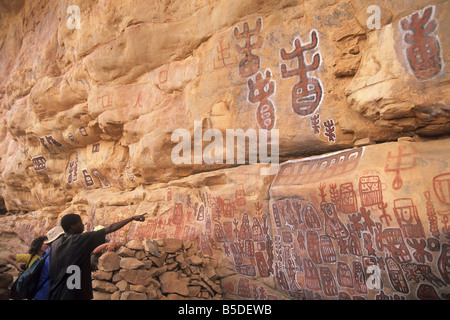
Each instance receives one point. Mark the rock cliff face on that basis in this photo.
(184, 109)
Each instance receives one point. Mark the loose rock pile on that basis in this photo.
(5, 280)
(166, 269)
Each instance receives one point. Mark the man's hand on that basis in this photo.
(117, 225)
(139, 217)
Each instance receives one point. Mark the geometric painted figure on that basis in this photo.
(333, 226)
(307, 93)
(423, 53)
(396, 276)
(250, 64)
(311, 217)
(408, 218)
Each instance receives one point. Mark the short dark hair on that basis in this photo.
(69, 220)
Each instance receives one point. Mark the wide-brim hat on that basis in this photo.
(53, 234)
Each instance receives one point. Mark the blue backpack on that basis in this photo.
(27, 284)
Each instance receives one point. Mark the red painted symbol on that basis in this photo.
(83, 131)
(334, 228)
(138, 103)
(95, 147)
(223, 58)
(39, 163)
(312, 243)
(348, 199)
(104, 182)
(359, 278)
(52, 141)
(396, 244)
(370, 190)
(441, 186)
(330, 130)
(265, 112)
(105, 100)
(307, 93)
(396, 276)
(329, 287)
(444, 263)
(311, 217)
(87, 178)
(72, 138)
(312, 280)
(315, 124)
(250, 64)
(423, 54)
(408, 218)
(402, 161)
(240, 196)
(344, 275)
(163, 76)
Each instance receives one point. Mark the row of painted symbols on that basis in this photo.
(307, 94)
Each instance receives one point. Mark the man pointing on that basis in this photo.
(70, 256)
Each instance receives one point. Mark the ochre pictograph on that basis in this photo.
(307, 93)
(423, 53)
(250, 63)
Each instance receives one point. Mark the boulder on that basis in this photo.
(138, 277)
(109, 261)
(130, 263)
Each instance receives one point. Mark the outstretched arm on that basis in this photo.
(12, 260)
(117, 225)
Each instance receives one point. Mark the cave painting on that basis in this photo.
(323, 241)
(314, 169)
(250, 64)
(39, 163)
(221, 221)
(265, 112)
(348, 236)
(223, 57)
(441, 187)
(423, 46)
(403, 160)
(50, 142)
(105, 101)
(307, 93)
(261, 86)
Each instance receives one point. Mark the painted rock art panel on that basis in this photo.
(101, 165)
(232, 218)
(365, 223)
(217, 212)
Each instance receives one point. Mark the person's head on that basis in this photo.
(38, 246)
(72, 223)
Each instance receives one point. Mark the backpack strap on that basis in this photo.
(43, 282)
(27, 265)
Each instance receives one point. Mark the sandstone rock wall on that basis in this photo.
(93, 117)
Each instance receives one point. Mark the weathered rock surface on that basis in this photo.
(92, 118)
